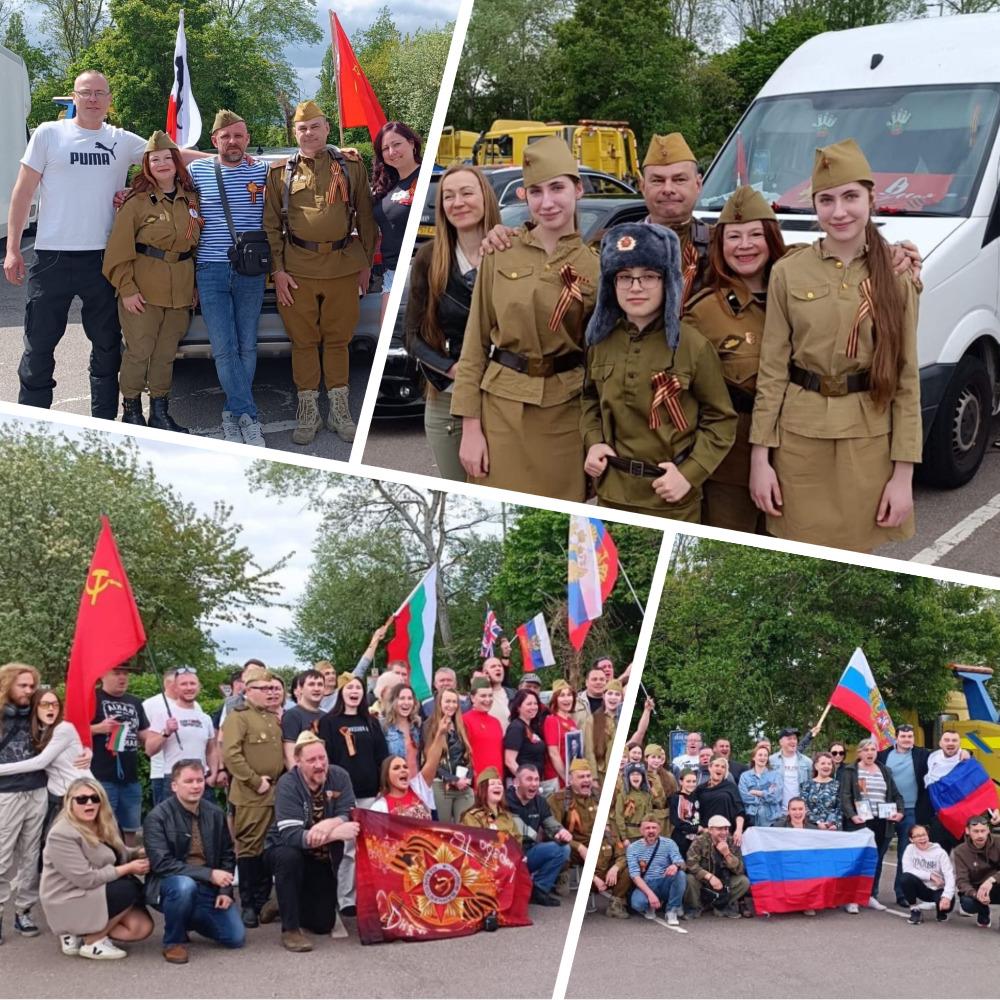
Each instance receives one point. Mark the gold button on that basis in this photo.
(513, 274)
(809, 295)
(548, 268)
(844, 285)
(839, 263)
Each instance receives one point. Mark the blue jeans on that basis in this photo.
(545, 862)
(669, 889)
(126, 803)
(230, 304)
(903, 828)
(158, 786)
(188, 905)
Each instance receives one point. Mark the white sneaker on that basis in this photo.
(230, 428)
(103, 949)
(250, 431)
(672, 920)
(649, 914)
(852, 908)
(874, 904)
(70, 944)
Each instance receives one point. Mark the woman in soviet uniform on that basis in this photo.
(656, 417)
(729, 314)
(519, 376)
(150, 261)
(838, 391)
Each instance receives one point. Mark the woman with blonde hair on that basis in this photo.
(402, 725)
(90, 892)
(442, 276)
(453, 781)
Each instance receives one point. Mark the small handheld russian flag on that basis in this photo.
(536, 648)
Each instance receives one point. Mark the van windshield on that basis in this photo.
(927, 146)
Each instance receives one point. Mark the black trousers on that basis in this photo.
(54, 280)
(914, 888)
(972, 905)
(306, 887)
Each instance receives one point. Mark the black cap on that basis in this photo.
(788, 731)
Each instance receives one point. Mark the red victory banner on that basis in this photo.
(419, 880)
(108, 631)
(357, 103)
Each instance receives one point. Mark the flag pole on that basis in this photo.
(336, 73)
(639, 605)
(163, 693)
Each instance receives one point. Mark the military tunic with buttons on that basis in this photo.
(617, 397)
(483, 819)
(832, 454)
(150, 218)
(576, 813)
(326, 306)
(251, 750)
(530, 421)
(732, 321)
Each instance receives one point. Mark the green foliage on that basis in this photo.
(188, 570)
(747, 640)
(37, 60)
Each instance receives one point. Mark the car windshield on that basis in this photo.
(927, 146)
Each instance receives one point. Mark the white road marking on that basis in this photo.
(959, 532)
(663, 923)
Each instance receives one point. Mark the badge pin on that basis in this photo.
(750, 337)
(731, 343)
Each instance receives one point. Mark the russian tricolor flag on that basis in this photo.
(591, 574)
(536, 648)
(858, 696)
(795, 870)
(965, 791)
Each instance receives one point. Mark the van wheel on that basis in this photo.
(958, 439)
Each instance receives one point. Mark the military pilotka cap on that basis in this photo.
(488, 774)
(655, 749)
(549, 157)
(306, 737)
(255, 675)
(615, 686)
(478, 683)
(667, 149)
(306, 111)
(746, 205)
(840, 163)
(224, 118)
(159, 141)
(579, 764)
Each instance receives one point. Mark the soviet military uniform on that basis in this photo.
(631, 804)
(151, 250)
(482, 819)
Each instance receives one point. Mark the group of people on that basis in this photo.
(677, 826)
(287, 773)
(706, 373)
(196, 229)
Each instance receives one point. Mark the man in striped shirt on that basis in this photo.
(231, 302)
(656, 868)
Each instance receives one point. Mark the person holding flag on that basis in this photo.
(491, 632)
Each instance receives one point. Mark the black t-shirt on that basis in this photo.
(530, 748)
(296, 720)
(124, 765)
(368, 742)
(391, 213)
(595, 703)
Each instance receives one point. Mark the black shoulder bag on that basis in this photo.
(250, 253)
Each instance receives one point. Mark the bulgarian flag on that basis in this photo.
(413, 640)
(117, 737)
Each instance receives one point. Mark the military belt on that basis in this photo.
(170, 256)
(741, 399)
(636, 468)
(543, 367)
(319, 247)
(829, 385)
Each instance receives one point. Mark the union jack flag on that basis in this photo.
(491, 632)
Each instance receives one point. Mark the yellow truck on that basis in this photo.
(608, 146)
(456, 146)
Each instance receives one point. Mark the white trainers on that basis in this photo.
(231, 428)
(649, 914)
(70, 944)
(852, 908)
(250, 431)
(103, 950)
(672, 920)
(339, 419)
(874, 904)
(309, 420)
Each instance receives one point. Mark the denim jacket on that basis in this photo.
(762, 810)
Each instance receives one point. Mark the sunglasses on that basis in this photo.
(838, 753)
(185, 670)
(83, 800)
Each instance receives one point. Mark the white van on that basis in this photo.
(922, 99)
(14, 110)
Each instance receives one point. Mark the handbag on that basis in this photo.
(250, 253)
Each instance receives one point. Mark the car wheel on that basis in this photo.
(960, 434)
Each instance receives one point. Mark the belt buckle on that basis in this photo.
(833, 385)
(493, 350)
(635, 467)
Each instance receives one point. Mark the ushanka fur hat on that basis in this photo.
(638, 244)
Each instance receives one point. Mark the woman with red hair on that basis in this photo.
(150, 261)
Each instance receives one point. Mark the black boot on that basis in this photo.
(160, 417)
(104, 396)
(248, 869)
(132, 412)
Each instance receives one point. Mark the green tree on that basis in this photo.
(748, 640)
(37, 60)
(188, 570)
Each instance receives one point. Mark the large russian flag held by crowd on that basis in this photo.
(183, 116)
(536, 647)
(590, 576)
(413, 640)
(795, 870)
(857, 695)
(965, 791)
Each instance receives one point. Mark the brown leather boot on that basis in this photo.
(296, 941)
(176, 954)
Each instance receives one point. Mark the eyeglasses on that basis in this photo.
(48, 704)
(643, 280)
(88, 94)
(838, 753)
(83, 800)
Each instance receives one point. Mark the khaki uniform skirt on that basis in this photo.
(831, 490)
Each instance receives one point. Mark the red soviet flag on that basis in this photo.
(419, 880)
(108, 631)
(358, 103)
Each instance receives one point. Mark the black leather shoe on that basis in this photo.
(542, 898)
(249, 917)
(159, 416)
(132, 412)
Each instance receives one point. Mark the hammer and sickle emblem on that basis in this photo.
(99, 581)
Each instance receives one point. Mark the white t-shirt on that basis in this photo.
(81, 170)
(195, 730)
(685, 761)
(790, 778)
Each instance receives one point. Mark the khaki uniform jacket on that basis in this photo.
(617, 395)
(149, 217)
(251, 749)
(577, 815)
(812, 302)
(635, 803)
(482, 820)
(516, 292)
(311, 217)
